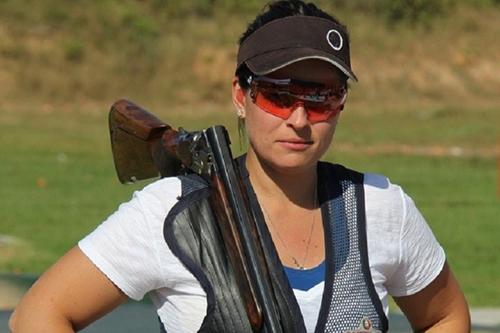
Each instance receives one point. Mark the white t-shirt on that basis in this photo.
(129, 249)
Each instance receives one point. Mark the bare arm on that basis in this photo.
(70, 295)
(439, 307)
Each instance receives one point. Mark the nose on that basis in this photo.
(298, 118)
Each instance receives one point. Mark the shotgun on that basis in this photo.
(145, 147)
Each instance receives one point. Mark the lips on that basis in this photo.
(295, 144)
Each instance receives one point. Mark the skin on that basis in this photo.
(74, 293)
(439, 307)
(69, 296)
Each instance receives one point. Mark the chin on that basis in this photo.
(292, 164)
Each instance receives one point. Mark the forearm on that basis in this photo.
(459, 322)
(38, 320)
(439, 307)
(69, 296)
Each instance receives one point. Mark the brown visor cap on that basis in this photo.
(290, 39)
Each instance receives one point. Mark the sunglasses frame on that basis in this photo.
(298, 93)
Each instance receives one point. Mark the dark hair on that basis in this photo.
(273, 11)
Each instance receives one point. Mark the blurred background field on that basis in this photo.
(426, 111)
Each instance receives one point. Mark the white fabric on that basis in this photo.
(129, 249)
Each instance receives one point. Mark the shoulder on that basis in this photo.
(128, 247)
(159, 197)
(139, 217)
(385, 212)
(403, 251)
(376, 186)
(387, 209)
(160, 190)
(385, 219)
(383, 197)
(385, 202)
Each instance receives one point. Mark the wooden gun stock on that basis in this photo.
(143, 146)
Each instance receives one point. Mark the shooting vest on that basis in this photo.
(350, 302)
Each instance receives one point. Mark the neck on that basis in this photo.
(296, 187)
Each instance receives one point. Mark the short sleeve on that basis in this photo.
(421, 258)
(125, 247)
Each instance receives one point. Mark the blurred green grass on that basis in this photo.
(458, 198)
(59, 183)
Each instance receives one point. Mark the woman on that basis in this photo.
(346, 240)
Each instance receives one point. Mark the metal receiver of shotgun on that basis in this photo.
(145, 147)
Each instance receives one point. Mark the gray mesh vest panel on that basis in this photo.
(349, 296)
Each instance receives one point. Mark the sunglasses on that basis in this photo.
(280, 97)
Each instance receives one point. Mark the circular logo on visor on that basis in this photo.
(334, 38)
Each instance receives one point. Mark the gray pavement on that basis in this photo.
(136, 317)
(141, 317)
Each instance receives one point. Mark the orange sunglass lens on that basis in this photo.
(273, 106)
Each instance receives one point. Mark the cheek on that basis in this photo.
(251, 120)
(253, 126)
(259, 124)
(325, 133)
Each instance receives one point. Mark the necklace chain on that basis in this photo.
(304, 259)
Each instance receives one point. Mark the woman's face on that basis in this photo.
(294, 144)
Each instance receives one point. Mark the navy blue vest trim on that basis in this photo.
(194, 268)
(365, 265)
(191, 183)
(162, 327)
(327, 190)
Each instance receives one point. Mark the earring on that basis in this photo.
(240, 112)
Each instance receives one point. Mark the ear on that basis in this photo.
(239, 98)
